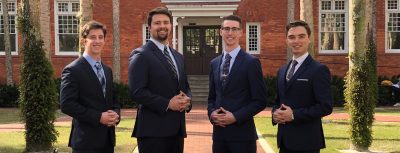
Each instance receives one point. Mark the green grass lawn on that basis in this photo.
(13, 115)
(13, 142)
(386, 135)
(378, 111)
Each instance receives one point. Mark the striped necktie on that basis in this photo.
(170, 63)
(100, 76)
(291, 70)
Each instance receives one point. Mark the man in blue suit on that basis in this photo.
(88, 96)
(303, 96)
(237, 93)
(158, 83)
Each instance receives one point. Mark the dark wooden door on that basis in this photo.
(200, 45)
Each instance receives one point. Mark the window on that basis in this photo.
(66, 27)
(146, 33)
(12, 11)
(253, 37)
(333, 26)
(392, 26)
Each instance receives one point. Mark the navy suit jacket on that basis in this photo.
(152, 85)
(309, 95)
(244, 95)
(81, 97)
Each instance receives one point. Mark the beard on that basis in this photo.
(162, 37)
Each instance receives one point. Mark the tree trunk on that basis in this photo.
(306, 14)
(7, 43)
(290, 18)
(44, 8)
(361, 82)
(116, 42)
(85, 15)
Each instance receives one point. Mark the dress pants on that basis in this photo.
(234, 146)
(161, 145)
(283, 149)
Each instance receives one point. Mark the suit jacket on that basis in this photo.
(244, 95)
(82, 98)
(309, 95)
(152, 84)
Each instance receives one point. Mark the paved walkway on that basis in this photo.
(199, 128)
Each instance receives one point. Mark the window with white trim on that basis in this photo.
(146, 33)
(12, 11)
(392, 26)
(333, 27)
(253, 31)
(66, 27)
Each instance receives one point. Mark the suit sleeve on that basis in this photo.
(137, 82)
(69, 96)
(258, 93)
(211, 93)
(322, 95)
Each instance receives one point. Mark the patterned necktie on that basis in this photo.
(225, 69)
(291, 70)
(101, 78)
(170, 63)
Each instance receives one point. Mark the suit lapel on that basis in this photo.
(160, 56)
(299, 71)
(236, 65)
(92, 74)
(217, 72)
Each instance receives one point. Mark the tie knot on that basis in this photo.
(294, 62)
(97, 65)
(228, 57)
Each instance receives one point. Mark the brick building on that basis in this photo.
(195, 33)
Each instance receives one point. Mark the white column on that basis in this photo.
(174, 24)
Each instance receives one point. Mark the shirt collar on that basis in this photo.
(159, 44)
(233, 53)
(300, 59)
(88, 58)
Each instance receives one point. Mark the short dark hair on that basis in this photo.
(158, 10)
(91, 25)
(298, 23)
(233, 18)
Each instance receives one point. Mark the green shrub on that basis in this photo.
(122, 94)
(270, 82)
(337, 86)
(9, 96)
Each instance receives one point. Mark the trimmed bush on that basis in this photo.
(122, 94)
(9, 96)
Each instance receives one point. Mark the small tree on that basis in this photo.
(38, 94)
(361, 91)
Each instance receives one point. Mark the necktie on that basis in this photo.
(225, 69)
(101, 77)
(291, 70)
(170, 63)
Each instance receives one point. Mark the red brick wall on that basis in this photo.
(270, 14)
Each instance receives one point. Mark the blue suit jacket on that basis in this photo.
(244, 95)
(308, 93)
(152, 85)
(81, 97)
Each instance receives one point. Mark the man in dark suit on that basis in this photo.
(237, 93)
(158, 83)
(87, 96)
(303, 96)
